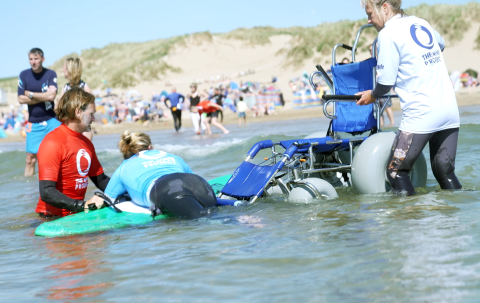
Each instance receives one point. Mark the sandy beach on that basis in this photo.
(287, 113)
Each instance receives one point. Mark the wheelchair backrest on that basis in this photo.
(349, 79)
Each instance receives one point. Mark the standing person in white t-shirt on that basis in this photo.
(410, 60)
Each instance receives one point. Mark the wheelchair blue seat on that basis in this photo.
(350, 79)
(249, 180)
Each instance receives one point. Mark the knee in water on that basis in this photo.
(449, 181)
(402, 183)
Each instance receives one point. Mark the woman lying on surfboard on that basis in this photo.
(158, 180)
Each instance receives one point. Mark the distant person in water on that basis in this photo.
(195, 97)
(211, 110)
(242, 111)
(66, 159)
(217, 98)
(175, 101)
(72, 70)
(37, 87)
(158, 180)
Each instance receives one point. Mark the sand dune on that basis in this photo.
(229, 57)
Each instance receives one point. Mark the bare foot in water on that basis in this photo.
(226, 132)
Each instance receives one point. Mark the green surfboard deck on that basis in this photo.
(106, 218)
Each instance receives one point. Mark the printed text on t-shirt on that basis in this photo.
(432, 57)
(81, 183)
(161, 161)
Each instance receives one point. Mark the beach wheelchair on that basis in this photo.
(353, 152)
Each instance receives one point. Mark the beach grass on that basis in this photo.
(122, 65)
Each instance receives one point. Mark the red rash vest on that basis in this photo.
(204, 108)
(68, 158)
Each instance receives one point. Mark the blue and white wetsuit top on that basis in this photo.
(137, 174)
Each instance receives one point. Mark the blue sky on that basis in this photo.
(63, 27)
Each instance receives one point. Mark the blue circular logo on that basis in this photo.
(413, 31)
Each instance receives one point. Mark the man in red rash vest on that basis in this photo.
(211, 109)
(66, 159)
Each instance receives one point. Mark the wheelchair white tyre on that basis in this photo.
(277, 190)
(312, 188)
(369, 167)
(317, 135)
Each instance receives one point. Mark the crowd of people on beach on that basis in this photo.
(132, 107)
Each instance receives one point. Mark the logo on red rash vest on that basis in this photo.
(83, 166)
(83, 160)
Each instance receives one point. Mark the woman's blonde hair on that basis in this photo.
(133, 143)
(396, 5)
(74, 98)
(74, 68)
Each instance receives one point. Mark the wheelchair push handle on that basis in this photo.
(259, 146)
(325, 76)
(351, 98)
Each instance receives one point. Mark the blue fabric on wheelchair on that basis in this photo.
(249, 179)
(350, 79)
(322, 146)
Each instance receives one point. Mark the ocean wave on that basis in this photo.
(195, 150)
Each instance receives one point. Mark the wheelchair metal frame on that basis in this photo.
(303, 164)
(378, 110)
(294, 165)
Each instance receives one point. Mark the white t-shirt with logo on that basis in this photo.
(410, 58)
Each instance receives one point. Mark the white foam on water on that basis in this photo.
(109, 151)
(199, 150)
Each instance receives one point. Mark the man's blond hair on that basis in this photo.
(74, 98)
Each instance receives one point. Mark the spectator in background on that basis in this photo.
(37, 87)
(195, 97)
(72, 70)
(211, 109)
(242, 111)
(176, 103)
(470, 83)
(217, 98)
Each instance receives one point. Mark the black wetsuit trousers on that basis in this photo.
(220, 115)
(407, 147)
(184, 195)
(177, 119)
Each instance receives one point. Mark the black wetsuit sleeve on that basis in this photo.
(380, 90)
(100, 181)
(50, 194)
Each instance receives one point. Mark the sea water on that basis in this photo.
(357, 248)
